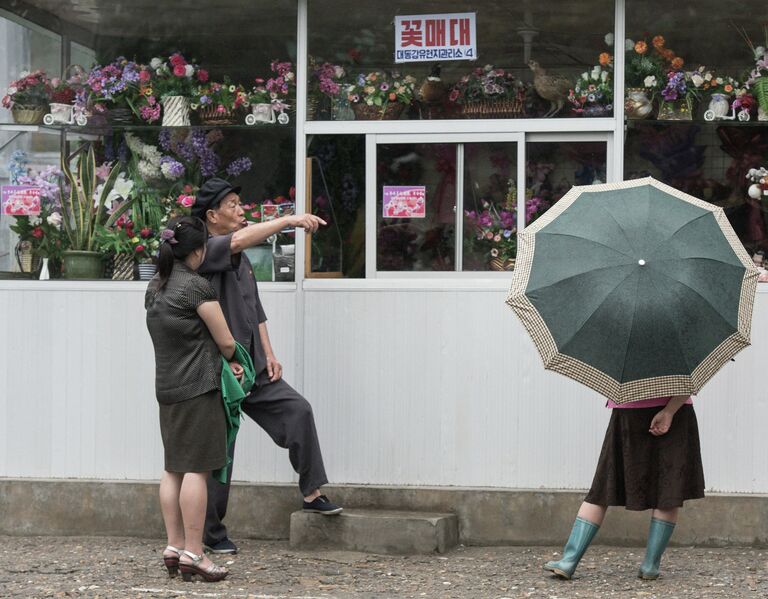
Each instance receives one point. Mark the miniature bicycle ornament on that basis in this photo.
(738, 104)
(65, 114)
(265, 113)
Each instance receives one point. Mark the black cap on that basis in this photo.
(209, 196)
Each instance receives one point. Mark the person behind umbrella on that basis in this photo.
(650, 460)
(272, 403)
(189, 334)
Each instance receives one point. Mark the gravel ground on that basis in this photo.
(110, 567)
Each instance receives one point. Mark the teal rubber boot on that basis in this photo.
(658, 537)
(581, 536)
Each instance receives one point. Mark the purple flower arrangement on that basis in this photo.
(676, 87)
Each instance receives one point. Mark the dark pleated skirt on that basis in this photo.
(640, 471)
(194, 433)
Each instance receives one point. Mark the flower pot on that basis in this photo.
(147, 270)
(637, 104)
(122, 267)
(389, 112)
(119, 116)
(494, 109)
(597, 110)
(83, 265)
(502, 265)
(28, 115)
(260, 113)
(26, 259)
(676, 110)
(761, 92)
(210, 115)
(175, 111)
(61, 113)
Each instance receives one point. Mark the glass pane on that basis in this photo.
(490, 206)
(416, 207)
(337, 191)
(552, 168)
(569, 42)
(23, 48)
(716, 136)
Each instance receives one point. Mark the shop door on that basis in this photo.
(433, 197)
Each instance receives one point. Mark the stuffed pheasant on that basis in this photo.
(553, 88)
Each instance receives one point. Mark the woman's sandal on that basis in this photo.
(212, 574)
(172, 561)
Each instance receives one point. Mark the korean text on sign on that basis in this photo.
(435, 37)
(20, 200)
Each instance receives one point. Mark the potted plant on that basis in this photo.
(218, 103)
(114, 90)
(84, 208)
(489, 92)
(376, 96)
(28, 97)
(174, 81)
(116, 244)
(327, 80)
(593, 93)
(643, 76)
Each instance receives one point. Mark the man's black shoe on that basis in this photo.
(322, 505)
(222, 547)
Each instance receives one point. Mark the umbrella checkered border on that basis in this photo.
(592, 377)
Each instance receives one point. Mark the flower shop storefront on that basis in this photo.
(427, 134)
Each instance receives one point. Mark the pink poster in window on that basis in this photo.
(20, 200)
(405, 201)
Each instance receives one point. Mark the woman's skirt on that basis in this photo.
(194, 433)
(641, 471)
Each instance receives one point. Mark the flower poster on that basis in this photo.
(405, 201)
(20, 200)
(421, 38)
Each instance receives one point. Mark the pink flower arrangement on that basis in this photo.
(185, 200)
(177, 76)
(30, 89)
(328, 77)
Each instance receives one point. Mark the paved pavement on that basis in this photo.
(110, 567)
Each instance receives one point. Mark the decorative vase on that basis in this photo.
(28, 114)
(25, 257)
(147, 270)
(122, 267)
(676, 110)
(719, 105)
(175, 111)
(502, 265)
(391, 111)
(637, 104)
(119, 116)
(341, 110)
(597, 110)
(83, 265)
(44, 273)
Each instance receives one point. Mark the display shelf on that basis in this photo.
(99, 129)
(631, 123)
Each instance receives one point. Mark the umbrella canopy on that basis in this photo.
(634, 289)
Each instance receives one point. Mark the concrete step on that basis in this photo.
(376, 531)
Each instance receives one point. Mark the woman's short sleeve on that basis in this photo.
(199, 291)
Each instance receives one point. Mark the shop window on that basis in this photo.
(336, 193)
(702, 100)
(526, 59)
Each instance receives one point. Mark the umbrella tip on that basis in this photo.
(641, 262)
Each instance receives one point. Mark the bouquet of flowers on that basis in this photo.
(594, 89)
(175, 76)
(328, 79)
(377, 89)
(115, 85)
(219, 98)
(758, 76)
(486, 83)
(493, 230)
(29, 90)
(44, 231)
(62, 92)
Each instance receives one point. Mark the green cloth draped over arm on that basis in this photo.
(232, 394)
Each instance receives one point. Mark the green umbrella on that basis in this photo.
(634, 289)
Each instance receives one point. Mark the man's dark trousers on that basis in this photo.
(286, 417)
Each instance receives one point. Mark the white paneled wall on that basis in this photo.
(420, 385)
